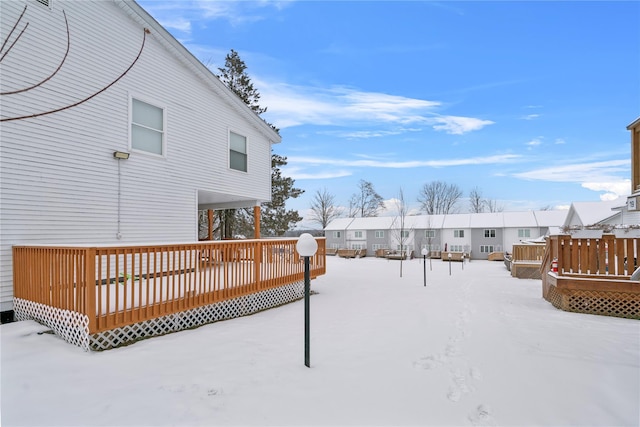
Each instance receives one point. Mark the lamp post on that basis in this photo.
(449, 263)
(306, 247)
(424, 263)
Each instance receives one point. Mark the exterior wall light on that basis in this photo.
(120, 155)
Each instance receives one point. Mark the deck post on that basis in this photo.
(210, 224)
(257, 259)
(90, 290)
(256, 221)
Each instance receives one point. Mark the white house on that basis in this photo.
(112, 132)
(475, 233)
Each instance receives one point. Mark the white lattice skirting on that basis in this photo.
(73, 327)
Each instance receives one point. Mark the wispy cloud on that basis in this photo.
(181, 14)
(297, 172)
(597, 176)
(455, 125)
(294, 105)
(371, 163)
(533, 143)
(530, 116)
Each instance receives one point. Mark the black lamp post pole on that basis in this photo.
(307, 285)
(424, 263)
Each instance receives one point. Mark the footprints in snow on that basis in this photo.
(462, 375)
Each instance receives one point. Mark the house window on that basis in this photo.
(486, 249)
(404, 234)
(458, 233)
(379, 234)
(429, 234)
(455, 248)
(336, 234)
(375, 247)
(357, 234)
(489, 233)
(524, 232)
(147, 127)
(237, 152)
(357, 246)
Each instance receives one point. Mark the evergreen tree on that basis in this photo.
(275, 218)
(234, 76)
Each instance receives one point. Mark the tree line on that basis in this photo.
(435, 197)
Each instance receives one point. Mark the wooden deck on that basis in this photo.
(526, 260)
(119, 287)
(455, 256)
(593, 275)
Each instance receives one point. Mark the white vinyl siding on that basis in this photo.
(147, 127)
(58, 177)
(237, 152)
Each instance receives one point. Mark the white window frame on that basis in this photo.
(337, 234)
(429, 234)
(455, 248)
(524, 232)
(357, 234)
(489, 233)
(163, 131)
(459, 234)
(379, 234)
(404, 234)
(246, 153)
(486, 249)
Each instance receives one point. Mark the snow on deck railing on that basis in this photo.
(116, 286)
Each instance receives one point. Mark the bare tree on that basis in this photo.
(402, 233)
(476, 203)
(438, 197)
(493, 206)
(366, 202)
(323, 208)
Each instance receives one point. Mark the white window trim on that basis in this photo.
(490, 230)
(246, 140)
(156, 104)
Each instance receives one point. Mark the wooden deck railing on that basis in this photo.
(608, 256)
(531, 253)
(593, 275)
(118, 286)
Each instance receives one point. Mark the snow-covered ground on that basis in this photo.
(474, 348)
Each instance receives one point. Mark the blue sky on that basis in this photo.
(528, 101)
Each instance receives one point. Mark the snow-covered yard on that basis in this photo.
(474, 348)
